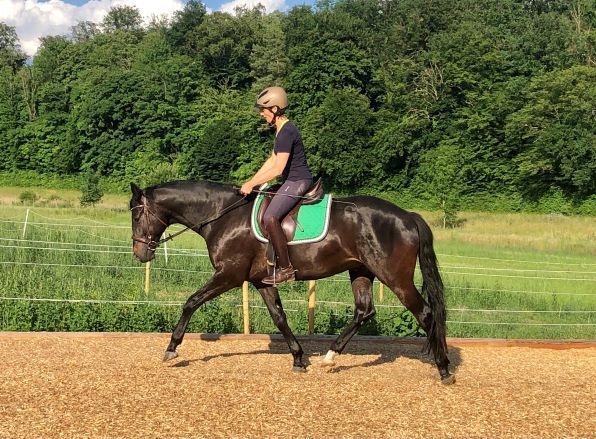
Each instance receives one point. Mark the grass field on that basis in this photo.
(506, 275)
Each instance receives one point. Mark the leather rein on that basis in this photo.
(152, 244)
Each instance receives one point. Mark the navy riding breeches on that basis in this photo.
(285, 199)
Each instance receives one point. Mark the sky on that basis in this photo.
(37, 18)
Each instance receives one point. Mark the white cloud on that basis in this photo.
(33, 18)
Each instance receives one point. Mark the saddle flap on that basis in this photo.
(288, 223)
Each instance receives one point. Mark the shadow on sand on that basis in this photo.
(387, 349)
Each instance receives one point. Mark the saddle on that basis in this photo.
(290, 221)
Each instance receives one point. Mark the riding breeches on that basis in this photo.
(285, 199)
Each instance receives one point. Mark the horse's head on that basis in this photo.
(148, 224)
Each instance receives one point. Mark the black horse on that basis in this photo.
(368, 237)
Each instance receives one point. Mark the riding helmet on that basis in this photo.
(272, 97)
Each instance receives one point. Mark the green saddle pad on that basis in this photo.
(313, 218)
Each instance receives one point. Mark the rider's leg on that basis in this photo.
(284, 200)
(278, 239)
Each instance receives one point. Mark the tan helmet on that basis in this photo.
(271, 97)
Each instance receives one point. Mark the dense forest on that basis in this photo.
(487, 103)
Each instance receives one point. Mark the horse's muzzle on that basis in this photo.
(143, 249)
(144, 255)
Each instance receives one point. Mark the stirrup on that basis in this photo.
(282, 275)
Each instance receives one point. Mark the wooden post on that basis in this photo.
(311, 307)
(381, 286)
(147, 273)
(25, 225)
(165, 250)
(245, 308)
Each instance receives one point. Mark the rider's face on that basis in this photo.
(267, 114)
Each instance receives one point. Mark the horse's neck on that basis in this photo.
(192, 205)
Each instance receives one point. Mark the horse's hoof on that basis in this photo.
(448, 379)
(299, 369)
(169, 355)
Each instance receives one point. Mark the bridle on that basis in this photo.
(152, 244)
(146, 211)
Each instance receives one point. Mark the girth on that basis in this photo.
(290, 221)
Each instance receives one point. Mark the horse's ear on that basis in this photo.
(137, 192)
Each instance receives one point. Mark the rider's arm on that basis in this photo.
(271, 169)
(265, 168)
(275, 165)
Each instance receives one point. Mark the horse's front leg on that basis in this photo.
(218, 284)
(272, 300)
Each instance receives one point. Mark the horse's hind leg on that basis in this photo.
(272, 300)
(365, 310)
(409, 296)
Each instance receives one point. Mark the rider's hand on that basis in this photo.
(246, 188)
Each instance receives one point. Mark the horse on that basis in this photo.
(367, 236)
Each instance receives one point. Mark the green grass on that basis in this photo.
(513, 276)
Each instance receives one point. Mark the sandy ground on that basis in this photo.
(115, 386)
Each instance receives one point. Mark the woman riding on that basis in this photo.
(288, 161)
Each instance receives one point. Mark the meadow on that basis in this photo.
(72, 269)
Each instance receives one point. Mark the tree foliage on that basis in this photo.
(441, 101)
(91, 192)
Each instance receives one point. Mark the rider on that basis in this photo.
(288, 160)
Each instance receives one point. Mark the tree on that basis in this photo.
(224, 43)
(556, 133)
(184, 22)
(402, 83)
(148, 166)
(91, 192)
(214, 155)
(48, 60)
(11, 54)
(105, 127)
(268, 60)
(84, 31)
(326, 51)
(440, 180)
(122, 18)
(583, 18)
(337, 138)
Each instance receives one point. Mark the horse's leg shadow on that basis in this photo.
(392, 353)
(274, 348)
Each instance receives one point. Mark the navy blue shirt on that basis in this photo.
(288, 140)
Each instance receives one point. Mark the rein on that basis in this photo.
(152, 245)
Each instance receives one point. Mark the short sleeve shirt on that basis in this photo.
(288, 140)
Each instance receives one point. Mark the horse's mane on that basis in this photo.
(191, 186)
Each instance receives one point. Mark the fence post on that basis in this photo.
(165, 250)
(311, 307)
(381, 286)
(25, 225)
(245, 309)
(147, 272)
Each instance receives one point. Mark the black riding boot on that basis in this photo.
(280, 244)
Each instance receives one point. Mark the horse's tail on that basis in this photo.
(432, 288)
